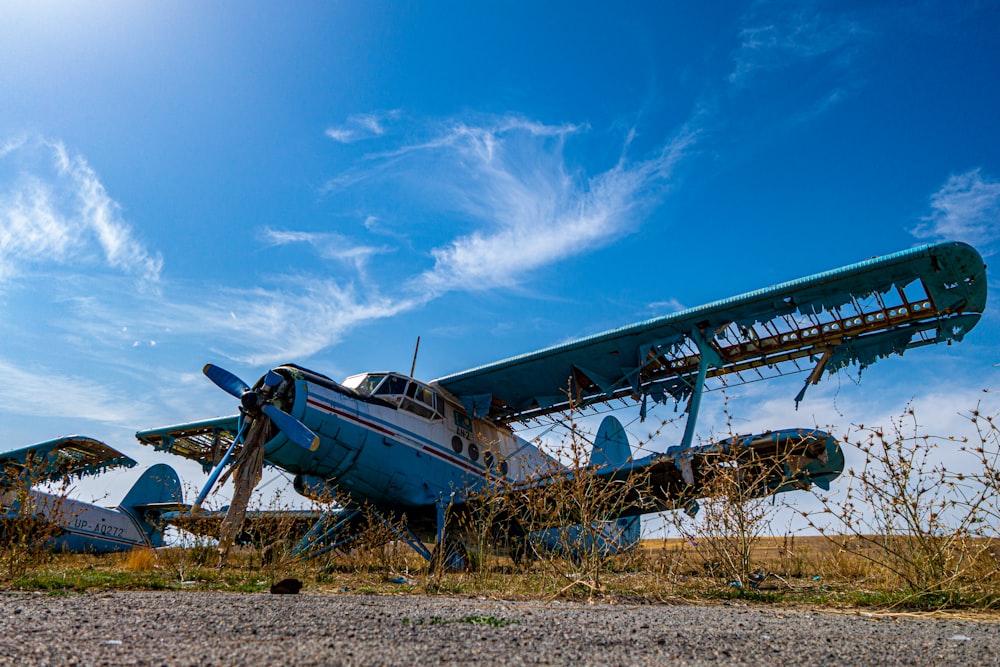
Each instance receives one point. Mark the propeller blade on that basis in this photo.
(225, 380)
(272, 379)
(293, 429)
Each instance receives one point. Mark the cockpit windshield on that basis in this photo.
(406, 393)
(364, 383)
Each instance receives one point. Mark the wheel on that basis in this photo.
(452, 558)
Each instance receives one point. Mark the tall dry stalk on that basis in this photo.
(28, 522)
(931, 525)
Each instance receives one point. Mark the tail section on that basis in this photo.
(606, 538)
(158, 485)
(611, 446)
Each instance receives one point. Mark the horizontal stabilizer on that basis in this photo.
(755, 465)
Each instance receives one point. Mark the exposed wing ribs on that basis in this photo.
(820, 324)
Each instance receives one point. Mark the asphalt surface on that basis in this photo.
(191, 628)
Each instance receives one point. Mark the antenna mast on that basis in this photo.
(416, 349)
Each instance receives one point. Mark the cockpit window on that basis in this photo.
(392, 385)
(364, 384)
(400, 390)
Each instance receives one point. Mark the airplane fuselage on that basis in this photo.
(77, 526)
(392, 441)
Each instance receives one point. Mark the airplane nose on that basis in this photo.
(251, 402)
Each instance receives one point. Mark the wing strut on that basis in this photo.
(709, 356)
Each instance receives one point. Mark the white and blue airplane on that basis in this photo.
(421, 450)
(68, 524)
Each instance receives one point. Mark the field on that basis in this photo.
(813, 570)
(902, 531)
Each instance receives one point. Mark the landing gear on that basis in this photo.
(450, 556)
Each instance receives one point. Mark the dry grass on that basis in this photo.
(139, 560)
(938, 549)
(812, 570)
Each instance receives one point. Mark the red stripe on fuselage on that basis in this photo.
(375, 427)
(346, 415)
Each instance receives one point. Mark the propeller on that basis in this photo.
(226, 381)
(253, 403)
(293, 429)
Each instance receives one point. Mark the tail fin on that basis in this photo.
(611, 444)
(611, 448)
(159, 484)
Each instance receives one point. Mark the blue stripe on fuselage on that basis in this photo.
(381, 426)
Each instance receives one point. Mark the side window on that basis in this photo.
(418, 409)
(456, 444)
(422, 401)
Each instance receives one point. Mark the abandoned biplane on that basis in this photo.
(67, 524)
(406, 447)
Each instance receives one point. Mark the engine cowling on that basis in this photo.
(315, 488)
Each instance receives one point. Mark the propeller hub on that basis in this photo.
(251, 402)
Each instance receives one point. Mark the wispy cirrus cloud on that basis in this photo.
(328, 245)
(509, 179)
(965, 208)
(509, 200)
(49, 393)
(671, 305)
(55, 210)
(775, 35)
(361, 126)
(534, 209)
(262, 325)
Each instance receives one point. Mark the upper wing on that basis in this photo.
(202, 441)
(853, 315)
(70, 456)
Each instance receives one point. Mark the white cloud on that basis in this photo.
(264, 326)
(533, 210)
(966, 208)
(777, 34)
(41, 392)
(361, 126)
(509, 177)
(328, 245)
(671, 305)
(54, 210)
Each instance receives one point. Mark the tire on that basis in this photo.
(454, 557)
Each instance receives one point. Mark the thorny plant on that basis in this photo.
(571, 515)
(931, 526)
(185, 551)
(729, 524)
(485, 524)
(368, 543)
(736, 507)
(28, 522)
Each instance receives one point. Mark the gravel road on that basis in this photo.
(191, 628)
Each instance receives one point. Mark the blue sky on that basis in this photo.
(254, 183)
